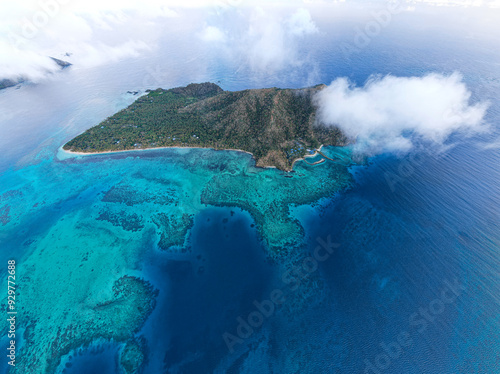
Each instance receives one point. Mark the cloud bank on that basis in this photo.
(271, 41)
(390, 114)
(262, 40)
(93, 32)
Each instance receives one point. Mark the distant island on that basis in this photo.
(6, 83)
(277, 126)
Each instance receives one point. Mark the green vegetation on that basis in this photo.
(276, 125)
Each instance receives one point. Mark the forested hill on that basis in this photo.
(276, 125)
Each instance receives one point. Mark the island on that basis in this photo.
(6, 82)
(277, 126)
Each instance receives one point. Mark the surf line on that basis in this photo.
(315, 163)
(325, 156)
(322, 160)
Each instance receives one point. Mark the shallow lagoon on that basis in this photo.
(100, 225)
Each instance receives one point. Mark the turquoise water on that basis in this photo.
(90, 220)
(198, 237)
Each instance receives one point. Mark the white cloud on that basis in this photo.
(213, 34)
(457, 3)
(98, 54)
(301, 23)
(390, 113)
(271, 41)
(32, 65)
(267, 41)
(32, 30)
(98, 32)
(439, 3)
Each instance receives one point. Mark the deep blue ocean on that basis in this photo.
(411, 286)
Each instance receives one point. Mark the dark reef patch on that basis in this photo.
(128, 222)
(268, 196)
(4, 215)
(118, 318)
(130, 197)
(174, 229)
(133, 356)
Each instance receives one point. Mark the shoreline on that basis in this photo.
(316, 152)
